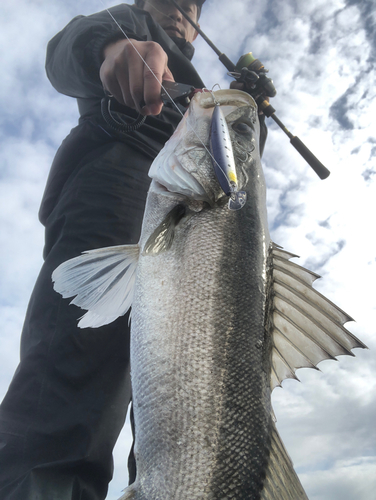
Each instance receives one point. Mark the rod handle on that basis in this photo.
(310, 158)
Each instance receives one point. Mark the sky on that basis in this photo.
(321, 56)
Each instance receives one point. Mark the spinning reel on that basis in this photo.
(252, 74)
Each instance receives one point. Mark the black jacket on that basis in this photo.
(74, 57)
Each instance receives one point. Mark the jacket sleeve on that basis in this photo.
(74, 55)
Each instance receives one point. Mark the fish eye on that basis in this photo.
(242, 128)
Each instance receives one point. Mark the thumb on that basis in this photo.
(167, 75)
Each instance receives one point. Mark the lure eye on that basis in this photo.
(242, 128)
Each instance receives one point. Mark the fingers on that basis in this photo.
(108, 70)
(152, 87)
(132, 72)
(133, 81)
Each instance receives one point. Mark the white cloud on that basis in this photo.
(346, 480)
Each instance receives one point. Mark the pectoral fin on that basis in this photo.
(162, 237)
(102, 281)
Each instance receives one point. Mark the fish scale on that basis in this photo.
(191, 432)
(244, 437)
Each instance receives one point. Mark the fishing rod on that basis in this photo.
(252, 73)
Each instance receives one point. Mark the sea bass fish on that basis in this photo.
(220, 317)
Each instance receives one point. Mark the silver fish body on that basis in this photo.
(200, 350)
(200, 359)
(219, 318)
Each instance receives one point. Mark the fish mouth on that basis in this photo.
(184, 166)
(159, 188)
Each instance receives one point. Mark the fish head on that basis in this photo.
(184, 167)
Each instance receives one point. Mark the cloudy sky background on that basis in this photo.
(321, 55)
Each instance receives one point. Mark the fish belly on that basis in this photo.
(200, 361)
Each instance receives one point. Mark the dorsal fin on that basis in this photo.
(307, 327)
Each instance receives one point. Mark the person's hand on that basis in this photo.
(240, 86)
(128, 79)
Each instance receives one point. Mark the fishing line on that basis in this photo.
(161, 84)
(142, 59)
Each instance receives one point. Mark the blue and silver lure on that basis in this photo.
(223, 160)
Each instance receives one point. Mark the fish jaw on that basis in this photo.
(185, 165)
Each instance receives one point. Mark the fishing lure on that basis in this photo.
(223, 161)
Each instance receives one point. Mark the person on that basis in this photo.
(68, 399)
